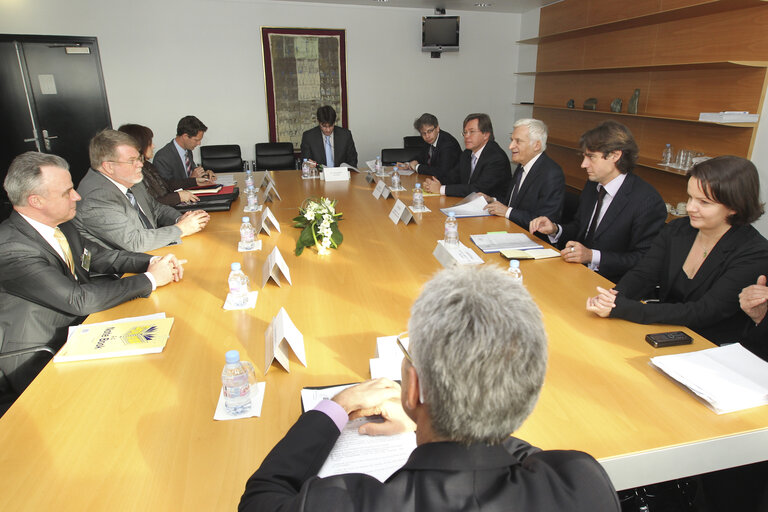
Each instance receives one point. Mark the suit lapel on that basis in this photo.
(533, 177)
(27, 230)
(617, 205)
(142, 199)
(715, 259)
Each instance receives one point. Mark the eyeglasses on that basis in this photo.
(131, 161)
(470, 132)
(402, 347)
(427, 132)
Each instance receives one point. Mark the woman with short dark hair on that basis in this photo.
(160, 189)
(699, 264)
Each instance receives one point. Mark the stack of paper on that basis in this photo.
(470, 206)
(729, 117)
(729, 378)
(495, 242)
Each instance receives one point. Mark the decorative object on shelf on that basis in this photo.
(616, 105)
(319, 223)
(632, 105)
(571, 103)
(590, 104)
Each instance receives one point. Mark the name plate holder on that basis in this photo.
(267, 215)
(274, 267)
(400, 212)
(458, 255)
(369, 177)
(335, 174)
(271, 188)
(381, 190)
(280, 336)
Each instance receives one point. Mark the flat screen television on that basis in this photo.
(440, 33)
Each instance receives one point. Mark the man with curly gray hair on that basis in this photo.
(477, 360)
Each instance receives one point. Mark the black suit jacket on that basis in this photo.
(40, 298)
(168, 163)
(541, 195)
(627, 229)
(313, 147)
(492, 173)
(444, 157)
(711, 306)
(438, 476)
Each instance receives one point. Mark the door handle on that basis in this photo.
(34, 139)
(47, 139)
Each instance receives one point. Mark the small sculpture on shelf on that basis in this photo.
(632, 106)
(590, 104)
(616, 105)
(571, 103)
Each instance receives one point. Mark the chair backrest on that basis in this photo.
(221, 158)
(274, 156)
(413, 141)
(394, 155)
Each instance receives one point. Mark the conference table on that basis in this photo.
(137, 433)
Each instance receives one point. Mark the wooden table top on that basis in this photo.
(138, 433)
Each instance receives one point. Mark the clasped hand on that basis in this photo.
(376, 397)
(602, 303)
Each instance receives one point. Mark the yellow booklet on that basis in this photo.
(115, 339)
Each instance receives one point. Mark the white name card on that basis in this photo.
(274, 266)
(400, 212)
(458, 255)
(271, 188)
(267, 215)
(335, 174)
(381, 190)
(280, 336)
(369, 177)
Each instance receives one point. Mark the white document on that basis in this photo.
(335, 174)
(225, 180)
(470, 206)
(404, 172)
(400, 213)
(377, 456)
(728, 378)
(257, 400)
(267, 215)
(495, 242)
(275, 265)
(281, 335)
(153, 316)
(530, 254)
(459, 255)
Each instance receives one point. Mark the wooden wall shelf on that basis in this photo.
(647, 116)
(705, 65)
(650, 163)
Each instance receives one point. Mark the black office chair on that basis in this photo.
(394, 155)
(7, 394)
(413, 141)
(570, 205)
(221, 158)
(274, 156)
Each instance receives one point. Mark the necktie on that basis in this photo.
(474, 162)
(593, 224)
(516, 184)
(59, 236)
(431, 153)
(144, 219)
(328, 151)
(187, 164)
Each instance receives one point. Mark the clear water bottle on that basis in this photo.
(248, 178)
(418, 198)
(378, 165)
(305, 169)
(237, 389)
(395, 179)
(247, 234)
(451, 237)
(252, 197)
(667, 156)
(514, 269)
(238, 286)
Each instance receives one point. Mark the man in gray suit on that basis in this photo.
(117, 212)
(45, 267)
(174, 161)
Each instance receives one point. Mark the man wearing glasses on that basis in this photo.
(473, 372)
(618, 215)
(326, 143)
(116, 211)
(441, 152)
(482, 167)
(174, 161)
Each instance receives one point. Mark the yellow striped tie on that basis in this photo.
(59, 236)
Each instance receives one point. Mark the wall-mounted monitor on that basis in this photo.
(440, 33)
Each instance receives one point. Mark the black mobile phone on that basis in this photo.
(668, 339)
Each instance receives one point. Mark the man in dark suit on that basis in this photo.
(175, 161)
(45, 267)
(328, 144)
(441, 151)
(618, 215)
(538, 185)
(117, 211)
(477, 322)
(482, 167)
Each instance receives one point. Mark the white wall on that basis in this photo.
(165, 59)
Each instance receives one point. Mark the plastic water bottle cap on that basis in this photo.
(514, 264)
(418, 185)
(669, 145)
(232, 356)
(235, 266)
(246, 219)
(305, 159)
(452, 215)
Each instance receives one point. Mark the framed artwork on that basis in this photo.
(304, 68)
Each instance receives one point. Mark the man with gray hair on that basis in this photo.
(117, 211)
(46, 267)
(538, 183)
(476, 365)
